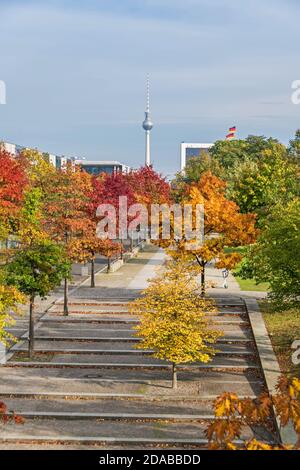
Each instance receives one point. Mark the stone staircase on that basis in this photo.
(88, 387)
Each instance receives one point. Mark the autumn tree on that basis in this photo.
(36, 166)
(13, 182)
(10, 301)
(85, 249)
(195, 167)
(110, 249)
(35, 271)
(233, 414)
(108, 189)
(38, 264)
(149, 186)
(8, 417)
(224, 226)
(66, 207)
(259, 172)
(173, 322)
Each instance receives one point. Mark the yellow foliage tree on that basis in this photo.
(173, 322)
(37, 167)
(10, 299)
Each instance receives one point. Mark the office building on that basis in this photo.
(192, 150)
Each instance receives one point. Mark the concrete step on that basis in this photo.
(91, 320)
(117, 319)
(94, 303)
(126, 361)
(111, 408)
(105, 299)
(19, 442)
(201, 382)
(12, 399)
(91, 310)
(80, 430)
(119, 339)
(114, 348)
(80, 329)
(95, 329)
(128, 417)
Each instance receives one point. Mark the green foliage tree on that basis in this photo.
(35, 271)
(256, 185)
(194, 169)
(228, 152)
(275, 258)
(294, 147)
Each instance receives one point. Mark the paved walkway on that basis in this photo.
(215, 276)
(89, 385)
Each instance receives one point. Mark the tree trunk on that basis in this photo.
(31, 327)
(174, 376)
(66, 292)
(66, 285)
(203, 281)
(202, 275)
(108, 265)
(93, 273)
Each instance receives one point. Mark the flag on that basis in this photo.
(232, 129)
(230, 136)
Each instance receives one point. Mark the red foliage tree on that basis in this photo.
(149, 186)
(107, 189)
(13, 181)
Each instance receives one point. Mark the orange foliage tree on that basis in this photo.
(66, 206)
(224, 226)
(233, 414)
(85, 249)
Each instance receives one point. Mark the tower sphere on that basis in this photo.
(147, 124)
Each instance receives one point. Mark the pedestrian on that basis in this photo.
(225, 274)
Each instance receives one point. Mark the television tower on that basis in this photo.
(147, 125)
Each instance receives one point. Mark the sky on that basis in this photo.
(75, 74)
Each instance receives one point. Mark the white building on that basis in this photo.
(55, 160)
(190, 150)
(94, 167)
(11, 148)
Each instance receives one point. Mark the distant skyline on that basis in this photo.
(75, 74)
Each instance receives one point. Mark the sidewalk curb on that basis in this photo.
(268, 360)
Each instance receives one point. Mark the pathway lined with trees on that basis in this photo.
(89, 378)
(89, 385)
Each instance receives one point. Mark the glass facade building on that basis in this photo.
(97, 167)
(192, 150)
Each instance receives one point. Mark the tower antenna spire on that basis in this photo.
(147, 124)
(148, 94)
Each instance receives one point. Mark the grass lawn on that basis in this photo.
(283, 328)
(249, 284)
(246, 284)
